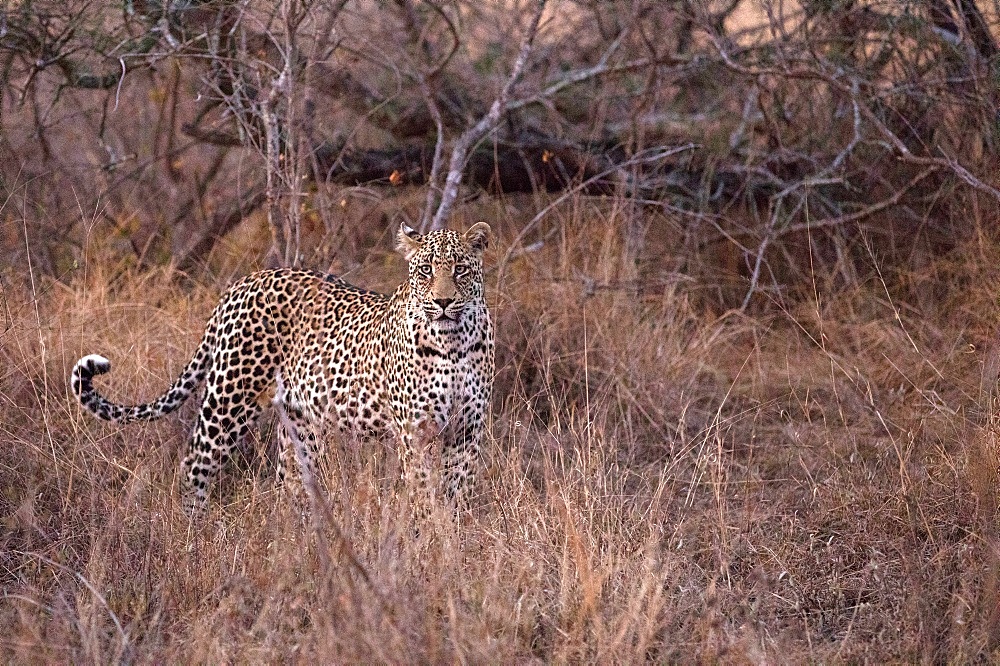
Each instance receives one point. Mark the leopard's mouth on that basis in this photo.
(446, 321)
(445, 316)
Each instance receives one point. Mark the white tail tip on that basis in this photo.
(94, 364)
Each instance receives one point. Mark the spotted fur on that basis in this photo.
(417, 364)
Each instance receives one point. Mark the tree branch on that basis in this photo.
(851, 90)
(867, 211)
(460, 153)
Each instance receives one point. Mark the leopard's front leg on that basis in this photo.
(460, 458)
(414, 441)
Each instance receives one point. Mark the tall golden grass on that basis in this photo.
(662, 482)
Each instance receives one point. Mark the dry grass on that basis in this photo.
(662, 484)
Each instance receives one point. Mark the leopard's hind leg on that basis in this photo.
(228, 410)
(298, 447)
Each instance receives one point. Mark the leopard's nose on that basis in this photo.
(444, 302)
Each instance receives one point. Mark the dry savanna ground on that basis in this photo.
(666, 480)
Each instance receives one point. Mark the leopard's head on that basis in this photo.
(446, 271)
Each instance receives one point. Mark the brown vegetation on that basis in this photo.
(662, 483)
(747, 327)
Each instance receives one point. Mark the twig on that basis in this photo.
(863, 213)
(471, 136)
(425, 80)
(435, 175)
(771, 232)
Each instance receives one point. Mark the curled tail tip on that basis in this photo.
(84, 371)
(92, 364)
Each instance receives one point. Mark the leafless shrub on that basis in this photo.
(809, 123)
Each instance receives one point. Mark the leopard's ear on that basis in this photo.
(408, 241)
(478, 236)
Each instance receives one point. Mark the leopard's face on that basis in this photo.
(446, 273)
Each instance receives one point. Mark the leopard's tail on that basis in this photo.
(81, 381)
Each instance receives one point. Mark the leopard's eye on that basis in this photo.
(425, 270)
(461, 270)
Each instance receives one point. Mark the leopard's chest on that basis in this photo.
(441, 385)
(445, 386)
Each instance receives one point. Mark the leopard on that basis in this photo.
(415, 366)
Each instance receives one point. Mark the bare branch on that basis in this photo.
(867, 211)
(851, 90)
(486, 124)
(425, 81)
(433, 181)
